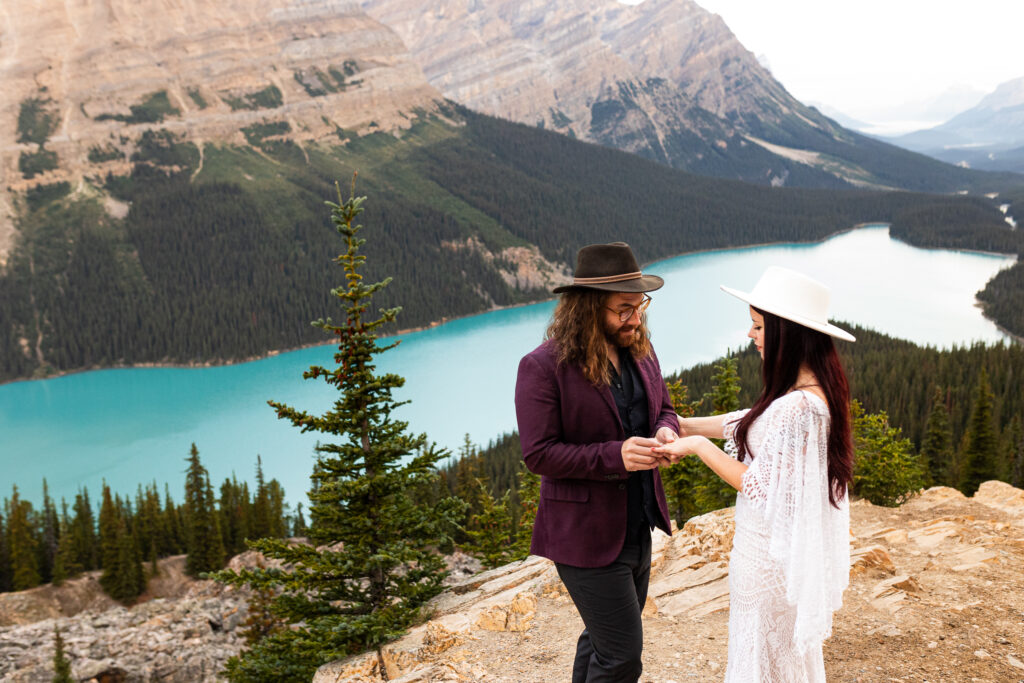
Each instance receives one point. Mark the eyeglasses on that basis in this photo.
(629, 311)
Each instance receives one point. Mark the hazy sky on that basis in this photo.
(864, 56)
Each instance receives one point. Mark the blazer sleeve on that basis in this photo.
(545, 451)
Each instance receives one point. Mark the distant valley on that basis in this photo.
(988, 136)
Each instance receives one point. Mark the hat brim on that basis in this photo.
(826, 328)
(644, 283)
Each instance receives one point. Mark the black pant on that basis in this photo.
(610, 600)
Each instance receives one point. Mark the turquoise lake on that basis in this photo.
(131, 426)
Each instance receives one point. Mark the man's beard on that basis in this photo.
(621, 335)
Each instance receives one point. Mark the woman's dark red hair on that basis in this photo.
(787, 347)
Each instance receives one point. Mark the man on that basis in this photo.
(588, 400)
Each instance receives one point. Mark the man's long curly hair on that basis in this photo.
(577, 328)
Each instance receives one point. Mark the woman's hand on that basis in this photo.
(681, 447)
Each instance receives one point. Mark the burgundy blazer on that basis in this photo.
(571, 435)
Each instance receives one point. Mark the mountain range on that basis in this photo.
(163, 165)
(988, 136)
(664, 79)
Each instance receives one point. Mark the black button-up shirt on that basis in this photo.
(631, 400)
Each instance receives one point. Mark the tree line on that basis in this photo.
(125, 536)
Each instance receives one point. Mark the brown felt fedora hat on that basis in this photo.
(611, 268)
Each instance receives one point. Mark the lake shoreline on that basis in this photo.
(446, 319)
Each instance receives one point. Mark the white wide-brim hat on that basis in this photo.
(793, 296)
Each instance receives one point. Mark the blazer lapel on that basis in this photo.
(606, 393)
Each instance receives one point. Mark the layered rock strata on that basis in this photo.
(664, 78)
(83, 81)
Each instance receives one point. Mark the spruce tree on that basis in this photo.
(108, 531)
(710, 492)
(491, 531)
(886, 469)
(61, 664)
(261, 523)
(367, 490)
(66, 565)
(937, 445)
(174, 527)
(678, 478)
(215, 554)
(982, 445)
(203, 542)
(50, 535)
(528, 487)
(123, 579)
(299, 522)
(22, 544)
(84, 546)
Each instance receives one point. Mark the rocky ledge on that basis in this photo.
(936, 594)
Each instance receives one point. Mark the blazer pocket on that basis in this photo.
(568, 491)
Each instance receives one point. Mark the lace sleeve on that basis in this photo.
(729, 423)
(788, 483)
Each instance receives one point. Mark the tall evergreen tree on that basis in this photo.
(66, 565)
(368, 482)
(173, 525)
(678, 478)
(49, 536)
(982, 445)
(710, 492)
(299, 522)
(22, 544)
(109, 515)
(84, 546)
(937, 445)
(203, 542)
(234, 514)
(261, 523)
(123, 578)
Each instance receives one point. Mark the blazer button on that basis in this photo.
(622, 487)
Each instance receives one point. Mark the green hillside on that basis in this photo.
(224, 252)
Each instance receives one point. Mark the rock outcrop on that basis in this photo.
(936, 593)
(85, 80)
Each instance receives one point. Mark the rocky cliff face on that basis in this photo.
(84, 81)
(665, 78)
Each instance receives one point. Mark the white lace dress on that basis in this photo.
(791, 554)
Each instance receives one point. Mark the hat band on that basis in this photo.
(606, 279)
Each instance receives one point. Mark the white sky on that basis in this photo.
(865, 56)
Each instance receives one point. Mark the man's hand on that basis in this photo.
(666, 435)
(637, 454)
(681, 447)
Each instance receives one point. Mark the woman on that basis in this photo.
(793, 464)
